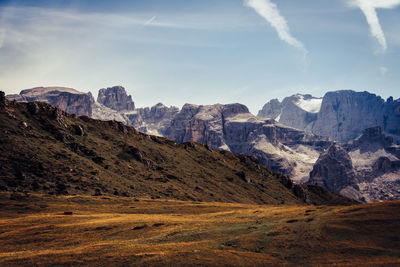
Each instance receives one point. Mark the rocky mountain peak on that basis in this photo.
(272, 109)
(333, 169)
(37, 91)
(230, 110)
(298, 111)
(115, 98)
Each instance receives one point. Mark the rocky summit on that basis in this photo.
(333, 169)
(367, 169)
(68, 99)
(298, 111)
(116, 99)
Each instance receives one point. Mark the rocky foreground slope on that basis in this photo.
(45, 150)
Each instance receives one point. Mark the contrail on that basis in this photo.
(368, 7)
(269, 11)
(150, 20)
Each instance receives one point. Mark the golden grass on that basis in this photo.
(119, 231)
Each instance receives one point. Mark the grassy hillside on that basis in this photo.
(45, 150)
(115, 231)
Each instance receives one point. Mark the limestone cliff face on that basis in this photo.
(345, 114)
(391, 117)
(233, 127)
(154, 120)
(116, 98)
(80, 104)
(203, 124)
(340, 115)
(67, 99)
(271, 109)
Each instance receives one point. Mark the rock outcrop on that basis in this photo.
(67, 99)
(116, 98)
(367, 169)
(333, 169)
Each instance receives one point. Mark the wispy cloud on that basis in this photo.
(368, 7)
(269, 11)
(383, 70)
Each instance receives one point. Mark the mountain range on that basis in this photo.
(340, 115)
(307, 138)
(46, 150)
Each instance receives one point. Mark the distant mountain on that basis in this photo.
(298, 111)
(46, 150)
(113, 103)
(367, 169)
(341, 115)
(297, 145)
(116, 98)
(232, 127)
(67, 99)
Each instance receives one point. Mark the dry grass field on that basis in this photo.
(103, 231)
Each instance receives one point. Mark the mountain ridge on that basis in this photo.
(49, 151)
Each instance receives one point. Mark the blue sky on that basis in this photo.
(201, 52)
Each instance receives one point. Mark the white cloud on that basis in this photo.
(368, 7)
(269, 11)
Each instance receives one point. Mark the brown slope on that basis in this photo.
(46, 150)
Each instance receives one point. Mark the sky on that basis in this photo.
(202, 52)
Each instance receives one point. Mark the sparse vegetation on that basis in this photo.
(118, 231)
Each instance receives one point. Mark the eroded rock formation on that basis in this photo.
(116, 98)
